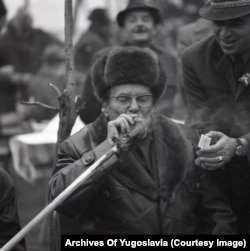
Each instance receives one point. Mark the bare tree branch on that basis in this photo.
(39, 104)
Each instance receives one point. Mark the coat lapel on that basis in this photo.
(241, 86)
(136, 176)
(224, 67)
(167, 150)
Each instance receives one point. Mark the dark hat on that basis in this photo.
(225, 9)
(128, 65)
(99, 15)
(54, 54)
(149, 5)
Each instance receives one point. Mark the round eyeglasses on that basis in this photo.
(126, 100)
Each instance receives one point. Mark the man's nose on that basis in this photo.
(225, 31)
(139, 22)
(134, 107)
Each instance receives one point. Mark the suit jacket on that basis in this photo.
(216, 101)
(148, 190)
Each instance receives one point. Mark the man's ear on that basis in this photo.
(105, 108)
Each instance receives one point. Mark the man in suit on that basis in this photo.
(216, 81)
(139, 23)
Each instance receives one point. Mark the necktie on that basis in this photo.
(239, 67)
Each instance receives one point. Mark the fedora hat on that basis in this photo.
(149, 5)
(217, 10)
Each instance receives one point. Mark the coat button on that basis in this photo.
(106, 193)
(88, 159)
(198, 185)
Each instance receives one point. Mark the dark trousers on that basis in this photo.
(234, 180)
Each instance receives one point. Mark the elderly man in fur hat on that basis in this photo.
(216, 80)
(139, 23)
(150, 186)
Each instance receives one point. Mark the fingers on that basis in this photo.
(121, 125)
(214, 134)
(124, 123)
(218, 142)
(211, 150)
(212, 167)
(128, 125)
(213, 160)
(211, 164)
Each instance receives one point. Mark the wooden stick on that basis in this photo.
(58, 200)
(67, 110)
(69, 46)
(37, 103)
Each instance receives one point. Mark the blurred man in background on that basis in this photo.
(93, 40)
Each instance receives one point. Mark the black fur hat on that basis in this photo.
(128, 65)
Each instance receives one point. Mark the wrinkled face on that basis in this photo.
(129, 99)
(139, 27)
(233, 35)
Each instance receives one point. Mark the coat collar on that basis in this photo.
(98, 130)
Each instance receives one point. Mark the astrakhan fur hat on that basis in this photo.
(128, 65)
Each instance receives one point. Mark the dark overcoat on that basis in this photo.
(162, 193)
(217, 101)
(9, 218)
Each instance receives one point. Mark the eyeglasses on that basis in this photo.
(126, 100)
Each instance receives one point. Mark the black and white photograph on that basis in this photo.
(125, 124)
